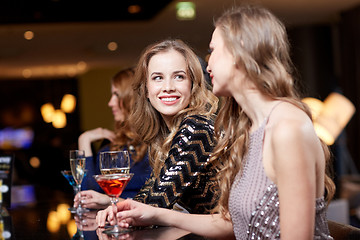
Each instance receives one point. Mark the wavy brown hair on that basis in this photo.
(259, 43)
(147, 121)
(125, 134)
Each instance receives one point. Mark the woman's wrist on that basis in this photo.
(85, 144)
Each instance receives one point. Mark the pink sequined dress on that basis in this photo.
(254, 201)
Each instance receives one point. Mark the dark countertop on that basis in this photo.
(45, 216)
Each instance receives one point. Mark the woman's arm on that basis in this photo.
(294, 157)
(87, 137)
(132, 213)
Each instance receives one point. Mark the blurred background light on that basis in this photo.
(34, 162)
(59, 119)
(331, 116)
(185, 11)
(29, 35)
(315, 106)
(68, 103)
(47, 111)
(133, 9)
(112, 46)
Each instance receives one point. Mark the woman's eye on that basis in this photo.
(180, 77)
(157, 78)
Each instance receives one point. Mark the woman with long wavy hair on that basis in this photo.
(123, 137)
(174, 114)
(272, 175)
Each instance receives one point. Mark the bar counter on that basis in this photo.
(43, 214)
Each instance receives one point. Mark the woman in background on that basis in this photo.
(122, 138)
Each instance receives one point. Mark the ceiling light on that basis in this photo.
(29, 35)
(185, 11)
(27, 73)
(81, 66)
(112, 46)
(134, 9)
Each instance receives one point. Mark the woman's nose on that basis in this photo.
(169, 85)
(111, 101)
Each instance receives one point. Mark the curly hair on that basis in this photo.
(125, 134)
(147, 121)
(259, 44)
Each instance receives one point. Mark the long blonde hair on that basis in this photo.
(147, 120)
(259, 43)
(124, 132)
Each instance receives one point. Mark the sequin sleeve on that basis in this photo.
(185, 177)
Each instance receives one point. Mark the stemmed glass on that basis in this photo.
(114, 162)
(69, 177)
(113, 185)
(115, 174)
(77, 165)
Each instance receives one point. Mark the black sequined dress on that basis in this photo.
(186, 178)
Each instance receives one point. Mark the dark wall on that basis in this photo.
(350, 74)
(313, 56)
(327, 58)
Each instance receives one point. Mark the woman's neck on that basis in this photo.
(256, 106)
(168, 121)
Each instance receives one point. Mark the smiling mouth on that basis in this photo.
(169, 100)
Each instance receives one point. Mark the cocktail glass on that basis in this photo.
(113, 185)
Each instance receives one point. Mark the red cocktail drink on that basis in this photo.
(114, 184)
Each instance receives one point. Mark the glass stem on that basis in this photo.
(114, 200)
(78, 189)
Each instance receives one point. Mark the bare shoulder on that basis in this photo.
(291, 144)
(289, 124)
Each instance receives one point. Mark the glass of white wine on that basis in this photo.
(77, 165)
(112, 162)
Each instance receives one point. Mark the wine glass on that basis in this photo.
(69, 177)
(114, 162)
(113, 185)
(77, 165)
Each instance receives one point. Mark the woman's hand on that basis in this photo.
(91, 199)
(86, 221)
(87, 137)
(106, 215)
(132, 213)
(127, 213)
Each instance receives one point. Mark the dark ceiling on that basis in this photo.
(69, 32)
(47, 11)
